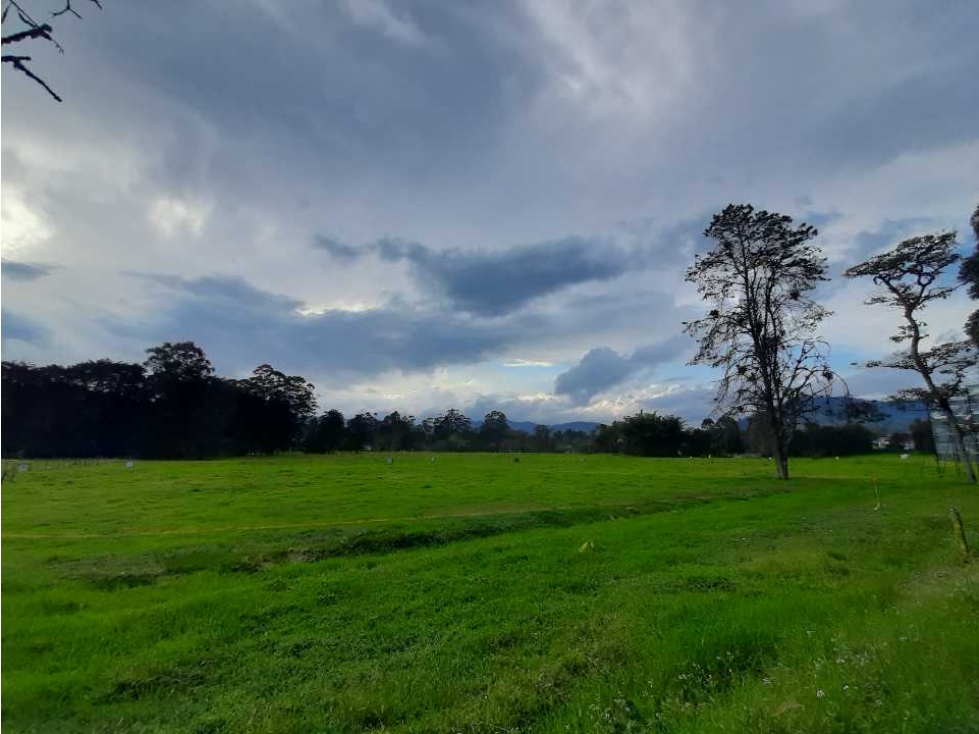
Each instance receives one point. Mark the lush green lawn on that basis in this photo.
(473, 593)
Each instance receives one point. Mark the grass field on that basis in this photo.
(476, 594)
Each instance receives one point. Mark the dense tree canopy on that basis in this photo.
(171, 406)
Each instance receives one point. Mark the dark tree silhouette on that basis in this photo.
(542, 439)
(184, 401)
(174, 362)
(494, 430)
(725, 436)
(273, 408)
(452, 430)
(29, 30)
(328, 434)
(969, 275)
(362, 432)
(644, 434)
(396, 432)
(910, 279)
(760, 330)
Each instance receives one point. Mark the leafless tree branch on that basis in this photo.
(17, 62)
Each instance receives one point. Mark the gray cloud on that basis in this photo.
(336, 248)
(887, 235)
(242, 326)
(17, 327)
(500, 282)
(24, 270)
(603, 368)
(464, 126)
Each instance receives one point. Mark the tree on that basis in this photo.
(909, 279)
(969, 275)
(642, 434)
(725, 436)
(760, 329)
(186, 414)
(494, 430)
(832, 440)
(31, 30)
(396, 432)
(542, 440)
(362, 431)
(328, 433)
(178, 362)
(273, 408)
(452, 429)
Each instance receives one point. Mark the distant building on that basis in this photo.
(881, 443)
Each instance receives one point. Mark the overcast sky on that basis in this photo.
(423, 205)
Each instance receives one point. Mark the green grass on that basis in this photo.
(476, 594)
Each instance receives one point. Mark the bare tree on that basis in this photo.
(910, 279)
(32, 30)
(761, 326)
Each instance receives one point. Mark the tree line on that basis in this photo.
(174, 406)
(171, 406)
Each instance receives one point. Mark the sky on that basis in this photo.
(482, 205)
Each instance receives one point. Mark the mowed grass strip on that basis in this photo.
(661, 595)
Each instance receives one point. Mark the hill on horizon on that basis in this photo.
(895, 417)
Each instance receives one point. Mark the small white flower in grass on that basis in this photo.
(820, 693)
(846, 687)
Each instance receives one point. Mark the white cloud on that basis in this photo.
(173, 216)
(527, 363)
(25, 226)
(378, 15)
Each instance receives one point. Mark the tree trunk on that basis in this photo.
(937, 395)
(781, 458)
(960, 448)
(780, 446)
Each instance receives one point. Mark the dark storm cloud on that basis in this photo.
(16, 327)
(313, 77)
(882, 103)
(499, 282)
(603, 368)
(24, 271)
(242, 326)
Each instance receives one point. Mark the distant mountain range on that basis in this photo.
(529, 426)
(894, 417)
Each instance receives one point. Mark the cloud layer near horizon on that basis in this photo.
(402, 201)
